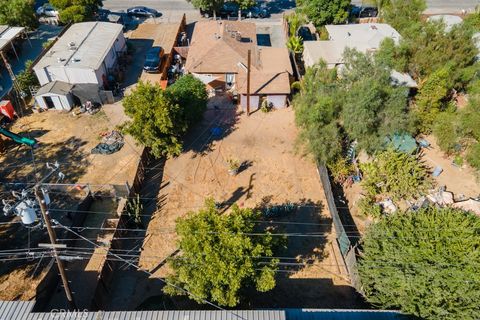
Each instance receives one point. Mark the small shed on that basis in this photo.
(55, 95)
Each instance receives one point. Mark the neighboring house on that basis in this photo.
(218, 55)
(86, 53)
(365, 38)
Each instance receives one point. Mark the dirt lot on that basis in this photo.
(69, 139)
(459, 180)
(272, 174)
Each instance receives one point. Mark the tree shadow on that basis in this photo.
(279, 6)
(135, 60)
(27, 165)
(219, 120)
(298, 218)
(342, 204)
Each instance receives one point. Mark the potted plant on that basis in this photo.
(233, 166)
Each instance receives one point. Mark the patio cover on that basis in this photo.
(87, 92)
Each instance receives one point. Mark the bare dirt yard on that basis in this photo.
(68, 139)
(311, 273)
(462, 181)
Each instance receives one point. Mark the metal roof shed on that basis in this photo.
(55, 95)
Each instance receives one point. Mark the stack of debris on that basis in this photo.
(111, 142)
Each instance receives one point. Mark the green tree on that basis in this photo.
(295, 43)
(424, 263)
(157, 121)
(372, 109)
(316, 113)
(473, 155)
(447, 131)
(191, 94)
(432, 97)
(18, 13)
(76, 10)
(322, 12)
(27, 78)
(403, 15)
(219, 257)
(395, 175)
(207, 5)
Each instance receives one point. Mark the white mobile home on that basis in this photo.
(86, 53)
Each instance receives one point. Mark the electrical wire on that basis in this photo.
(151, 274)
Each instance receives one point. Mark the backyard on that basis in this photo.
(67, 139)
(271, 173)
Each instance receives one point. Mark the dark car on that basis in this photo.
(364, 12)
(230, 9)
(142, 12)
(153, 59)
(255, 12)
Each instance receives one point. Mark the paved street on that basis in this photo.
(442, 6)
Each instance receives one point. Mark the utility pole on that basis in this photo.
(249, 62)
(53, 239)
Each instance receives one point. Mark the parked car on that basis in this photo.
(230, 9)
(256, 12)
(47, 10)
(153, 59)
(142, 12)
(364, 12)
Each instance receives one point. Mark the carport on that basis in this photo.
(55, 95)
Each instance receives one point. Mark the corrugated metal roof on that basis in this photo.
(13, 310)
(83, 45)
(21, 310)
(7, 34)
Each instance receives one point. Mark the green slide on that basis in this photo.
(18, 139)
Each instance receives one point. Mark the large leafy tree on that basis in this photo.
(361, 105)
(373, 108)
(191, 95)
(396, 175)
(18, 13)
(157, 121)
(403, 15)
(76, 10)
(219, 256)
(424, 263)
(317, 111)
(322, 12)
(213, 5)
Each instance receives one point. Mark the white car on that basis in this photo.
(47, 10)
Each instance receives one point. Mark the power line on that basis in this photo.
(151, 274)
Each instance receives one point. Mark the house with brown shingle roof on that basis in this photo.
(218, 55)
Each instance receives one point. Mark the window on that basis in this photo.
(229, 79)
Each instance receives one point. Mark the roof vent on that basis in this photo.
(75, 60)
(61, 59)
(238, 36)
(72, 45)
